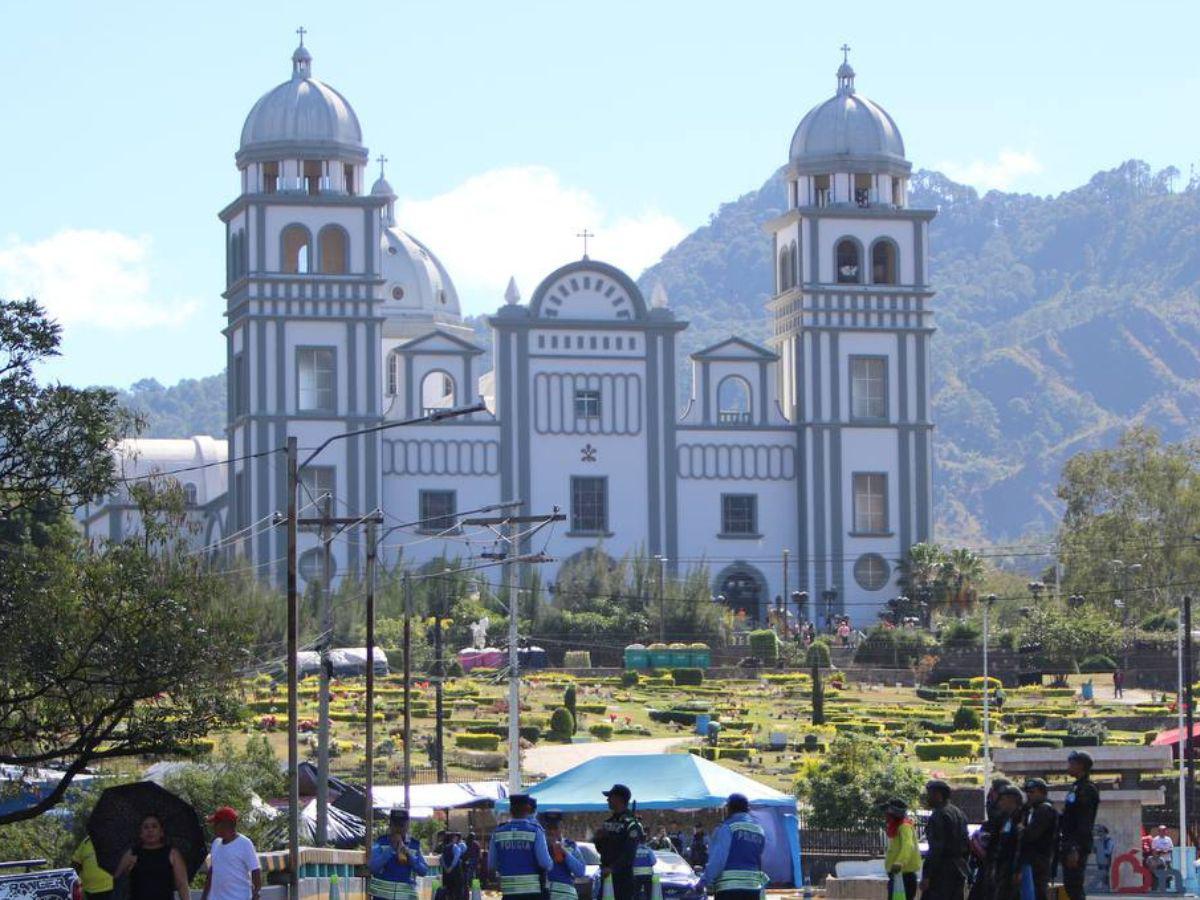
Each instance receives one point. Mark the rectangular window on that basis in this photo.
(589, 505)
(870, 503)
(437, 509)
(348, 177)
(587, 404)
(315, 379)
(241, 388)
(270, 177)
(316, 482)
(241, 501)
(554, 342)
(541, 342)
(868, 387)
(739, 514)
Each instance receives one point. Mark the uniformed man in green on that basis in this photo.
(617, 842)
(1075, 825)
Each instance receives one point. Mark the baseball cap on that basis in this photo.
(398, 817)
(618, 790)
(223, 814)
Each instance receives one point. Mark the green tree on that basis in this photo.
(854, 776)
(1135, 504)
(1068, 636)
(569, 704)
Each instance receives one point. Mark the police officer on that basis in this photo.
(451, 852)
(1075, 826)
(518, 852)
(1039, 833)
(944, 874)
(643, 869)
(734, 869)
(567, 861)
(396, 861)
(617, 842)
(1004, 876)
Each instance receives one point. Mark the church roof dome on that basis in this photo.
(302, 114)
(417, 285)
(848, 133)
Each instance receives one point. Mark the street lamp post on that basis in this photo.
(987, 692)
(829, 595)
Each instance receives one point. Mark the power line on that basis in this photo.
(199, 466)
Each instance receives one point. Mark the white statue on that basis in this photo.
(479, 633)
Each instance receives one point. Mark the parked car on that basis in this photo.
(28, 879)
(588, 885)
(679, 881)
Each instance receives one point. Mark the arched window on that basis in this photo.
(849, 266)
(392, 373)
(795, 263)
(733, 401)
(883, 262)
(742, 589)
(295, 250)
(437, 392)
(334, 250)
(190, 493)
(785, 270)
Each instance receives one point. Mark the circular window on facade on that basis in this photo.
(871, 571)
(392, 251)
(312, 565)
(397, 293)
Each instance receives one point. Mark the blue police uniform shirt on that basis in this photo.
(643, 861)
(386, 865)
(735, 855)
(520, 855)
(571, 867)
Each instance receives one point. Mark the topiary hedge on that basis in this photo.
(687, 677)
(477, 741)
(562, 724)
(945, 750)
(1038, 742)
(667, 716)
(601, 730)
(764, 644)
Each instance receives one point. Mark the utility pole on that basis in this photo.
(439, 674)
(407, 688)
(511, 558)
(293, 693)
(662, 599)
(514, 667)
(1189, 676)
(369, 812)
(785, 595)
(987, 692)
(325, 611)
(1184, 738)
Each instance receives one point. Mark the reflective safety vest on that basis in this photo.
(515, 861)
(397, 881)
(643, 862)
(560, 880)
(743, 865)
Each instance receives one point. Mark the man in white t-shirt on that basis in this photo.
(1161, 846)
(233, 869)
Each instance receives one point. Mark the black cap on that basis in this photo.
(937, 784)
(398, 817)
(738, 803)
(1081, 756)
(515, 800)
(1011, 790)
(1000, 782)
(1036, 784)
(896, 807)
(550, 818)
(619, 790)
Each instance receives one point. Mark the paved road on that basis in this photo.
(550, 759)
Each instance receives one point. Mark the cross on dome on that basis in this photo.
(382, 160)
(302, 31)
(845, 73)
(585, 234)
(301, 59)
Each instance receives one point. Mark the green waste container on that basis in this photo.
(701, 656)
(681, 656)
(660, 656)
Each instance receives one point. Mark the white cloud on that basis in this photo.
(89, 277)
(522, 221)
(1001, 174)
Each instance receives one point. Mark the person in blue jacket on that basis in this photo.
(734, 869)
(518, 852)
(643, 869)
(564, 854)
(451, 852)
(396, 861)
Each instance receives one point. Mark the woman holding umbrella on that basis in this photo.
(156, 869)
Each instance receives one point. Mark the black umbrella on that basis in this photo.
(114, 823)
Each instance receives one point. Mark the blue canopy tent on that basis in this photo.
(680, 781)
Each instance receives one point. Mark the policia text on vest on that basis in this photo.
(734, 869)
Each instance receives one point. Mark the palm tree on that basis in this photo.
(962, 570)
(920, 575)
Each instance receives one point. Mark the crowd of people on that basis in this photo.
(531, 859)
(1014, 854)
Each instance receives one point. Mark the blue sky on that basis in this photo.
(511, 125)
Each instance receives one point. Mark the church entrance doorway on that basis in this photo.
(743, 590)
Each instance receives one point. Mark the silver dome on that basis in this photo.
(848, 133)
(416, 284)
(302, 114)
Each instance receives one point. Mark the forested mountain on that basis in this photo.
(1061, 321)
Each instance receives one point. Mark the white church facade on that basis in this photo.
(816, 449)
